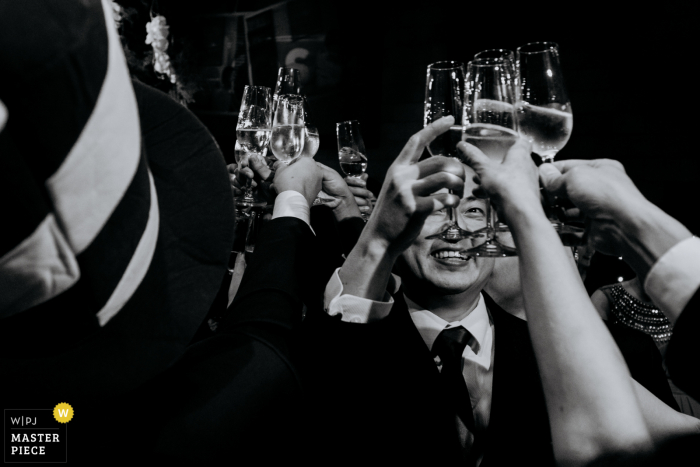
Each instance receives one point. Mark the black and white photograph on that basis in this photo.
(315, 232)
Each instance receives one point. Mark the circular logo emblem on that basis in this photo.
(63, 413)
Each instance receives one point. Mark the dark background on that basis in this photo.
(629, 73)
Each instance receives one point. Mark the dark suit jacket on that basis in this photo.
(235, 396)
(373, 393)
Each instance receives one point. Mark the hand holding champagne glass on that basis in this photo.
(490, 125)
(444, 96)
(253, 133)
(352, 154)
(544, 112)
(311, 144)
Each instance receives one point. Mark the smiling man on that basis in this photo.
(407, 369)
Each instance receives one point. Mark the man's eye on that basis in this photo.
(474, 211)
(439, 212)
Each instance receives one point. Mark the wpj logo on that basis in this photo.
(37, 435)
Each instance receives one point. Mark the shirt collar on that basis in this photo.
(429, 325)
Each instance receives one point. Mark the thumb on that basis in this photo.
(473, 157)
(551, 179)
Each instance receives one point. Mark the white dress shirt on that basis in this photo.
(477, 368)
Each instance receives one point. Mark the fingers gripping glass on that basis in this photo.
(490, 125)
(252, 134)
(351, 151)
(444, 95)
(544, 113)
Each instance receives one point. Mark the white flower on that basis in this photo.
(157, 32)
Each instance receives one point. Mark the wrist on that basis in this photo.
(367, 269)
(347, 208)
(523, 211)
(647, 233)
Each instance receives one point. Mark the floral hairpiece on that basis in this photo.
(157, 35)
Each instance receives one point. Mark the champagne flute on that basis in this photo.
(544, 112)
(511, 69)
(351, 151)
(252, 135)
(490, 125)
(444, 96)
(311, 144)
(288, 131)
(509, 56)
(288, 82)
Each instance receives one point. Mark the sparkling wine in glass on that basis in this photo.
(543, 110)
(351, 151)
(253, 133)
(544, 114)
(444, 96)
(311, 141)
(490, 125)
(288, 130)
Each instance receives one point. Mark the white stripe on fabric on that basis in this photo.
(36, 270)
(139, 264)
(93, 178)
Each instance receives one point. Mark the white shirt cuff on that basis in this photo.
(291, 203)
(675, 277)
(354, 309)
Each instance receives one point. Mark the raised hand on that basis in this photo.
(408, 194)
(364, 198)
(344, 202)
(238, 177)
(411, 191)
(511, 185)
(303, 176)
(599, 188)
(622, 221)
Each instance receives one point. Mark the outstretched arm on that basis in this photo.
(589, 392)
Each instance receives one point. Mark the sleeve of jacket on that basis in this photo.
(240, 388)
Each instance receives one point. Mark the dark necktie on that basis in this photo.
(447, 352)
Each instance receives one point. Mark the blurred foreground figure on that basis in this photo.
(117, 226)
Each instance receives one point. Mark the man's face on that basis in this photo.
(443, 268)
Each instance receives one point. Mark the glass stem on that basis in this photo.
(248, 195)
(490, 221)
(452, 213)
